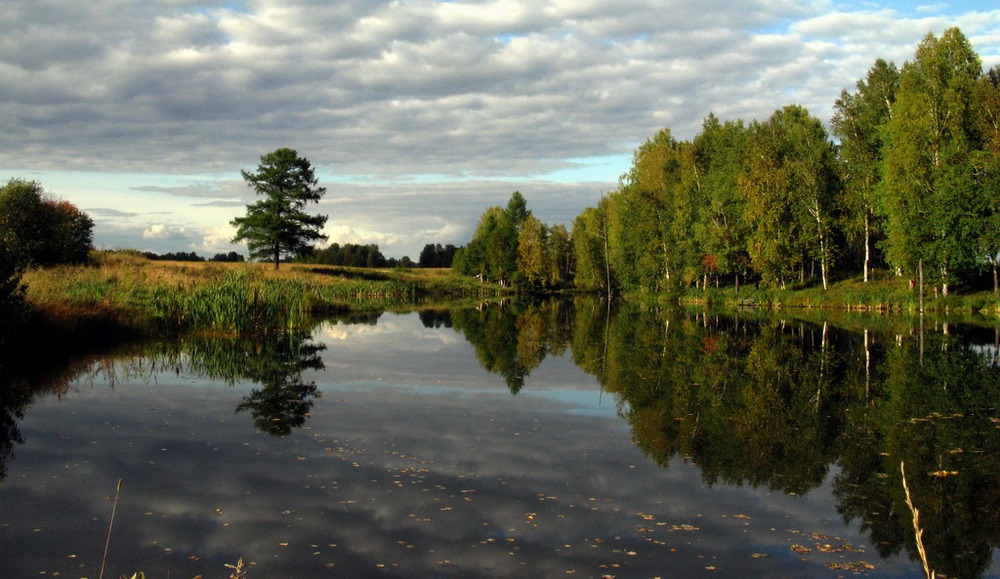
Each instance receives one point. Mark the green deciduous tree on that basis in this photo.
(789, 183)
(719, 152)
(987, 169)
(534, 258)
(931, 197)
(277, 225)
(590, 239)
(38, 230)
(859, 121)
(492, 253)
(561, 248)
(641, 213)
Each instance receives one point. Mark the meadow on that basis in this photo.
(123, 291)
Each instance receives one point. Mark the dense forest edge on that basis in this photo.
(905, 200)
(899, 211)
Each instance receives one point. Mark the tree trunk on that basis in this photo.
(920, 271)
(868, 251)
(822, 263)
(277, 256)
(996, 282)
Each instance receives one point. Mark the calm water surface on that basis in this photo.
(547, 441)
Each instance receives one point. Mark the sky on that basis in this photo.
(417, 115)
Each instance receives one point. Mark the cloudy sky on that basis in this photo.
(417, 114)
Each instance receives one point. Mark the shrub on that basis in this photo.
(12, 305)
(36, 230)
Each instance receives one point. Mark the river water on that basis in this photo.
(555, 439)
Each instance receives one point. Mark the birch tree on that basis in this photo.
(859, 122)
(931, 197)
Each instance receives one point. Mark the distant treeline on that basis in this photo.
(354, 255)
(231, 257)
(434, 255)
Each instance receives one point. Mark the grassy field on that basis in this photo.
(125, 290)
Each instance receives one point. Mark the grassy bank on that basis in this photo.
(123, 290)
(888, 295)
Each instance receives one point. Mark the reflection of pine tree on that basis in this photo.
(278, 408)
(274, 360)
(277, 363)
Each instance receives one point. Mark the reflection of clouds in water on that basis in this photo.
(438, 470)
(496, 486)
(387, 328)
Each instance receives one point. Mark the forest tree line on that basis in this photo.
(910, 187)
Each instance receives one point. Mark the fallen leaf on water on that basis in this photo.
(944, 473)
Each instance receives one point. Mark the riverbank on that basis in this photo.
(124, 293)
(883, 295)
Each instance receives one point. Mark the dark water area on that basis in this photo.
(511, 440)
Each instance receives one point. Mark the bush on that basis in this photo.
(36, 230)
(12, 305)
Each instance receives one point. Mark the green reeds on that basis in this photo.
(153, 296)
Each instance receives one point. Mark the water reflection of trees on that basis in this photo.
(777, 403)
(757, 400)
(275, 360)
(511, 338)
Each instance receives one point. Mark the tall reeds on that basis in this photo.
(211, 297)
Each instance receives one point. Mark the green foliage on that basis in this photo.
(349, 254)
(534, 259)
(492, 253)
(37, 230)
(916, 175)
(277, 225)
(721, 232)
(590, 239)
(434, 255)
(931, 197)
(859, 122)
(12, 306)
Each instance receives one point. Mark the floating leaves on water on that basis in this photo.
(800, 549)
(854, 567)
(760, 555)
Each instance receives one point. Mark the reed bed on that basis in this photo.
(229, 298)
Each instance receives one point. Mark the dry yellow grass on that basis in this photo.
(130, 289)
